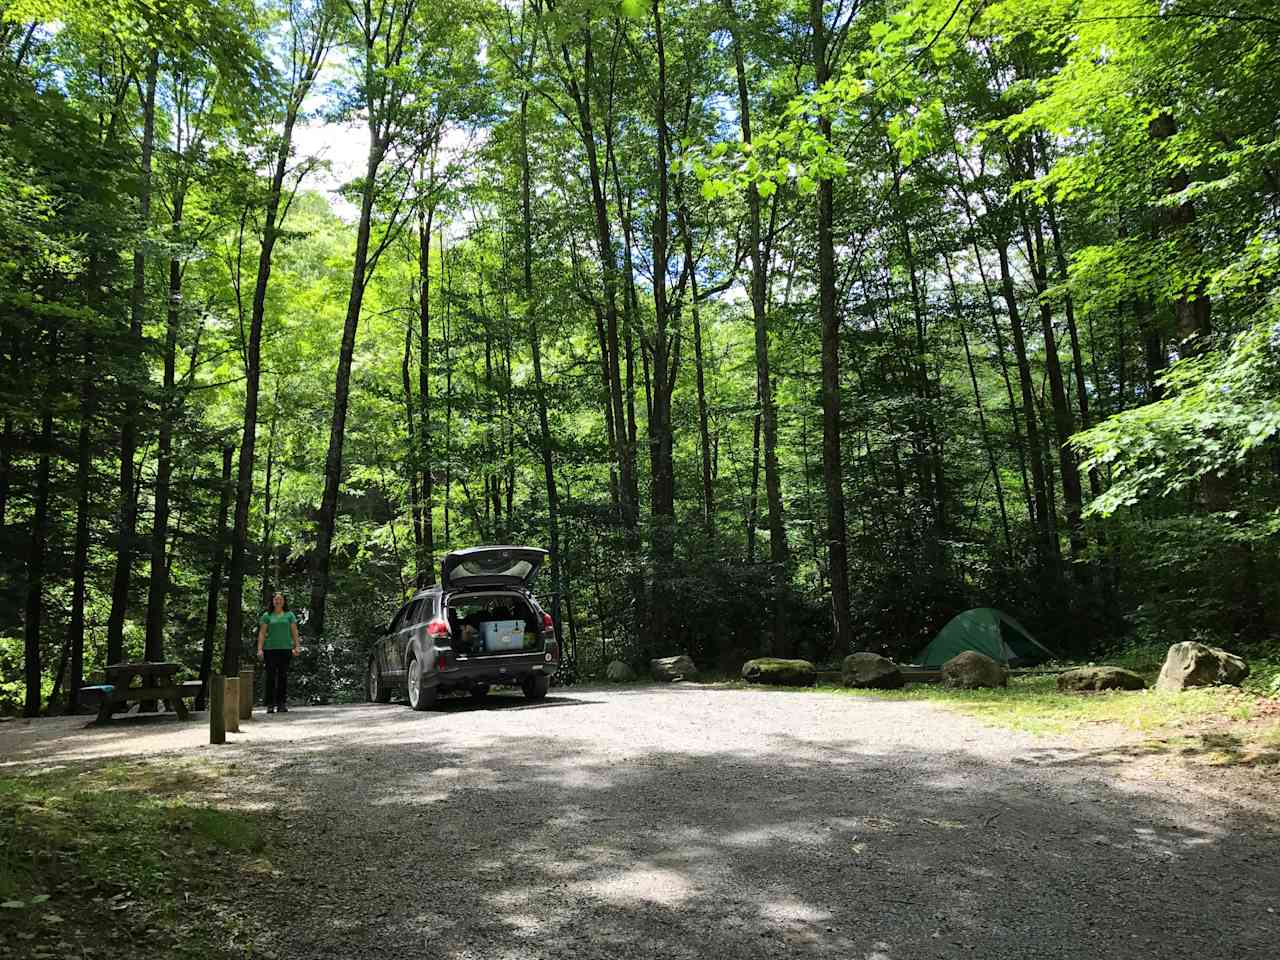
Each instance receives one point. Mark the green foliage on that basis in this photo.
(1117, 159)
(1219, 411)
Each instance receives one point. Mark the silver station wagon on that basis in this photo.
(478, 628)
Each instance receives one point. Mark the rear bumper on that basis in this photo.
(495, 670)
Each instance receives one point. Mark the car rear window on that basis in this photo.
(492, 565)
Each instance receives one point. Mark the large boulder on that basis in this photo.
(668, 669)
(870, 671)
(619, 672)
(1100, 678)
(971, 669)
(780, 673)
(1191, 664)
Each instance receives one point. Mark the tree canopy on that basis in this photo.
(790, 328)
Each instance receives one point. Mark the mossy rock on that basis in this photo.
(870, 671)
(1100, 678)
(619, 672)
(780, 673)
(970, 670)
(671, 669)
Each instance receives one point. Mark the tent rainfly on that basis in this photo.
(988, 631)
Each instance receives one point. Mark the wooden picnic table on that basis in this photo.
(156, 681)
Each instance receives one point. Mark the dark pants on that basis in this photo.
(276, 691)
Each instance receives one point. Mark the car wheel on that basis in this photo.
(479, 691)
(535, 687)
(420, 697)
(377, 691)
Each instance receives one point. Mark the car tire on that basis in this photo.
(420, 697)
(479, 692)
(535, 687)
(375, 689)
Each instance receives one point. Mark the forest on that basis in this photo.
(787, 326)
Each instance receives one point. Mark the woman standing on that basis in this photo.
(277, 644)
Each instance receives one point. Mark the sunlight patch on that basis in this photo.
(787, 909)
(641, 885)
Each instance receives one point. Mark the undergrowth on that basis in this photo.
(124, 859)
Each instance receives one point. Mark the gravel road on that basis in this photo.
(684, 821)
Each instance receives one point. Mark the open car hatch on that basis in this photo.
(495, 566)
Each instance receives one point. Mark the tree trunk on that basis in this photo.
(1043, 523)
(316, 49)
(266, 550)
(535, 345)
(215, 579)
(448, 395)
(411, 466)
(80, 562)
(1077, 359)
(341, 394)
(248, 439)
(767, 420)
(992, 465)
(704, 429)
(6, 453)
(128, 518)
(427, 565)
(1064, 422)
(832, 466)
(36, 565)
(661, 440)
(158, 585)
(604, 240)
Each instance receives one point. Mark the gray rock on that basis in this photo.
(1191, 664)
(1100, 678)
(668, 669)
(780, 673)
(970, 670)
(870, 671)
(619, 672)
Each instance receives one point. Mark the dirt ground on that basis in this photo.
(687, 821)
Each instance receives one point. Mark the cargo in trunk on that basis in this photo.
(492, 625)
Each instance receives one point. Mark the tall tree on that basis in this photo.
(310, 34)
(779, 552)
(387, 39)
(128, 516)
(829, 318)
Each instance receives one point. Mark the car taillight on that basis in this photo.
(547, 623)
(438, 628)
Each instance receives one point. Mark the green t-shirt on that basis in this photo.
(279, 632)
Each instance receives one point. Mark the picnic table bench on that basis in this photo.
(155, 682)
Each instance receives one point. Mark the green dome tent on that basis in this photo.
(988, 631)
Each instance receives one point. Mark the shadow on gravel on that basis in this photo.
(561, 847)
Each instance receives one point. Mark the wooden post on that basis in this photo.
(217, 722)
(231, 701)
(246, 694)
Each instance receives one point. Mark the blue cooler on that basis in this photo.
(502, 635)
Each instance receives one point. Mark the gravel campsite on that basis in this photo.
(688, 821)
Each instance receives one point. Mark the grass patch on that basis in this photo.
(1218, 725)
(122, 859)
(1034, 705)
